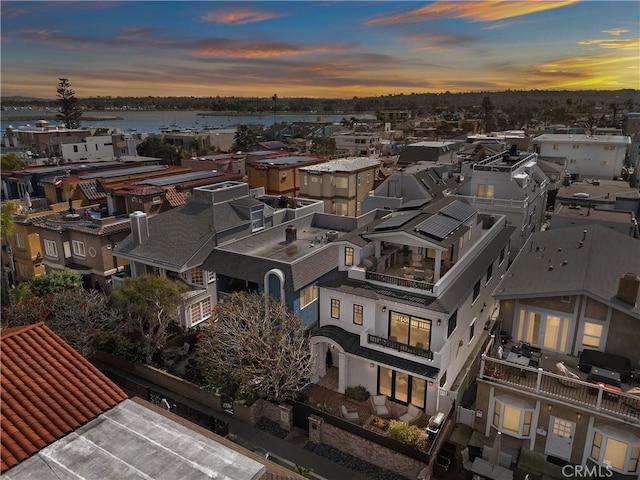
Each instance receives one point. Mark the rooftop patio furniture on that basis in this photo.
(380, 406)
(350, 414)
(564, 371)
(412, 415)
(616, 363)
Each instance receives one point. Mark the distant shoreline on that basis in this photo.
(23, 118)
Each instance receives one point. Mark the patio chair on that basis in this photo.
(380, 406)
(412, 415)
(563, 370)
(350, 414)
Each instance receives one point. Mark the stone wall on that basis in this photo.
(323, 433)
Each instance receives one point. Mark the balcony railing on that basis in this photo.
(401, 347)
(562, 388)
(399, 282)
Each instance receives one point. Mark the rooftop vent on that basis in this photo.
(291, 234)
(628, 288)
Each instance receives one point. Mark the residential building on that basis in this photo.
(511, 184)
(412, 302)
(588, 156)
(86, 149)
(176, 243)
(575, 215)
(63, 418)
(357, 144)
(279, 175)
(434, 151)
(83, 241)
(287, 260)
(38, 137)
(607, 194)
(341, 184)
(222, 162)
(572, 296)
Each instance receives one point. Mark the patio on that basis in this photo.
(324, 394)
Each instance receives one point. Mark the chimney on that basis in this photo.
(628, 288)
(139, 227)
(291, 233)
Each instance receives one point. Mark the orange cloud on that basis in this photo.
(616, 31)
(617, 43)
(484, 11)
(262, 49)
(239, 17)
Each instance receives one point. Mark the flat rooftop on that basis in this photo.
(606, 191)
(343, 165)
(594, 214)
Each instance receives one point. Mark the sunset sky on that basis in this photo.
(317, 49)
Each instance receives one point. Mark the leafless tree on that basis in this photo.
(254, 345)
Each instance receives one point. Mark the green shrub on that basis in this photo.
(119, 344)
(358, 393)
(408, 434)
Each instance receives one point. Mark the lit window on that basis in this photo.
(410, 330)
(357, 314)
(512, 416)
(50, 249)
(348, 256)
(616, 449)
(335, 308)
(308, 295)
(592, 334)
(485, 191)
(401, 387)
(78, 248)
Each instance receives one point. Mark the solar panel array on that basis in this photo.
(438, 226)
(396, 220)
(459, 210)
(183, 177)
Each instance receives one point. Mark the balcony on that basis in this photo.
(400, 347)
(403, 282)
(559, 387)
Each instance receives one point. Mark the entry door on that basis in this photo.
(560, 438)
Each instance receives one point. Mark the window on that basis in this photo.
(476, 291)
(78, 248)
(485, 191)
(308, 295)
(200, 311)
(18, 239)
(348, 256)
(502, 255)
(489, 272)
(576, 146)
(616, 449)
(443, 379)
(410, 330)
(548, 331)
(556, 146)
(75, 149)
(453, 322)
(512, 416)
(357, 314)
(195, 276)
(402, 387)
(565, 299)
(335, 308)
(472, 329)
(50, 249)
(211, 276)
(342, 182)
(592, 334)
(23, 270)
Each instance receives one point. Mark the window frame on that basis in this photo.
(335, 308)
(50, 248)
(600, 443)
(18, 240)
(202, 316)
(411, 319)
(306, 298)
(349, 254)
(476, 292)
(525, 419)
(78, 249)
(358, 314)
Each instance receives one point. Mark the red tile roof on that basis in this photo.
(48, 390)
(175, 198)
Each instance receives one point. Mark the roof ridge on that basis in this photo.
(12, 331)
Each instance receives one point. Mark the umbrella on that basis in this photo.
(494, 459)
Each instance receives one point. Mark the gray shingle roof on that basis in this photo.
(552, 263)
(182, 235)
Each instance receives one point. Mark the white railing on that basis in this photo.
(552, 385)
